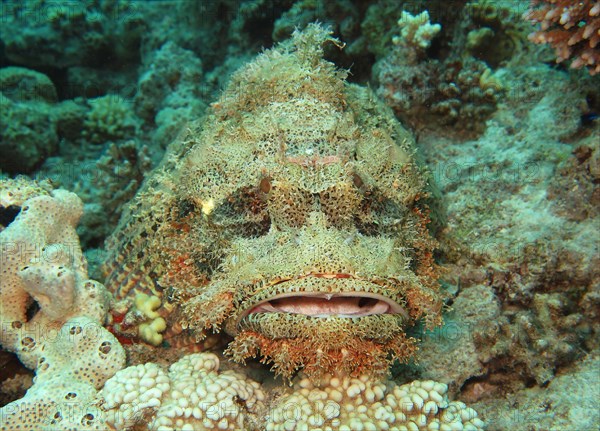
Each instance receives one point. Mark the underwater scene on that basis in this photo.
(298, 215)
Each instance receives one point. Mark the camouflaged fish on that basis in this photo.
(291, 218)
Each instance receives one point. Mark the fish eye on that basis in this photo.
(265, 185)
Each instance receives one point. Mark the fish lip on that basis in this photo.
(393, 307)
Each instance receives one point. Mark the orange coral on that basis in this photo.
(572, 28)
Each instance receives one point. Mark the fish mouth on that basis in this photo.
(324, 296)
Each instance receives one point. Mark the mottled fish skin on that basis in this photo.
(296, 184)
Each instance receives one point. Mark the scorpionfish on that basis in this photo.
(291, 217)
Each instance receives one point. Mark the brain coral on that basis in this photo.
(293, 219)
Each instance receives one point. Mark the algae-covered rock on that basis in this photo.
(24, 85)
(170, 91)
(27, 130)
(37, 33)
(27, 137)
(70, 116)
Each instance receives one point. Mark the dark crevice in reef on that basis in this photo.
(10, 367)
(9, 214)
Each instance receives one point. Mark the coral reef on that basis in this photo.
(37, 34)
(571, 28)
(460, 91)
(309, 244)
(511, 139)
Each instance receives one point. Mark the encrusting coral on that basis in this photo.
(42, 261)
(571, 28)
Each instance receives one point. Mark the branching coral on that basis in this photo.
(572, 28)
(417, 31)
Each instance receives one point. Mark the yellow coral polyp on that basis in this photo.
(147, 305)
(150, 331)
